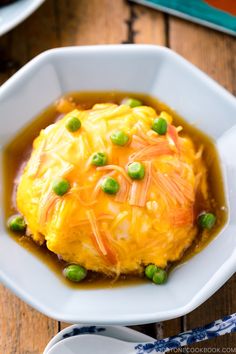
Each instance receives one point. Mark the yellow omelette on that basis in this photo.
(148, 220)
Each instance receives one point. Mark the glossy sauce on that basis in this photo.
(18, 151)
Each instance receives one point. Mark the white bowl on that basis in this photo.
(136, 68)
(13, 14)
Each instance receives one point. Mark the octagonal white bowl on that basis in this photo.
(140, 68)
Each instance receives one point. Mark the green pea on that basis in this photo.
(119, 138)
(160, 276)
(99, 159)
(75, 272)
(73, 124)
(136, 170)
(17, 223)
(206, 220)
(110, 185)
(159, 125)
(132, 102)
(150, 270)
(61, 186)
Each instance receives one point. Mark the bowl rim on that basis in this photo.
(219, 278)
(54, 52)
(227, 269)
(32, 7)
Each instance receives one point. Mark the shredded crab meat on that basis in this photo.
(150, 137)
(37, 160)
(177, 189)
(139, 189)
(101, 239)
(199, 153)
(100, 217)
(151, 152)
(172, 136)
(120, 217)
(47, 206)
(115, 168)
(137, 142)
(123, 193)
(93, 222)
(182, 216)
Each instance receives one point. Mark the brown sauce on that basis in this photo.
(19, 149)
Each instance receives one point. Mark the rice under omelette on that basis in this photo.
(147, 221)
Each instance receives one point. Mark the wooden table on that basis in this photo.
(80, 22)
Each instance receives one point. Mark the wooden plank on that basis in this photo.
(149, 26)
(38, 33)
(161, 330)
(214, 53)
(92, 22)
(23, 330)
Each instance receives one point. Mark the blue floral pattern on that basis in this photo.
(214, 329)
(83, 330)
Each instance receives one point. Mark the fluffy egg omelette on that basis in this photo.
(113, 188)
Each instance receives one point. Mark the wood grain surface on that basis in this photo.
(80, 22)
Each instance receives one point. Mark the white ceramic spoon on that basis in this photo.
(95, 344)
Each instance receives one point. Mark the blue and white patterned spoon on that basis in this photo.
(90, 343)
